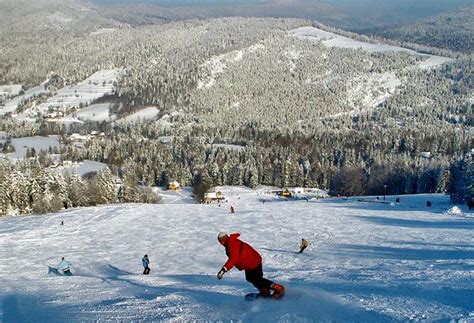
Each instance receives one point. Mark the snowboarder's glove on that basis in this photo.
(221, 273)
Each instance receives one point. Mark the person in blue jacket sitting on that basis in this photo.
(146, 263)
(64, 266)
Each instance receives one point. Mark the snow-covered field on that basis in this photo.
(96, 86)
(10, 90)
(368, 261)
(11, 105)
(94, 112)
(148, 113)
(37, 142)
(82, 168)
(334, 40)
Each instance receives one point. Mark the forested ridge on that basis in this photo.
(242, 102)
(452, 30)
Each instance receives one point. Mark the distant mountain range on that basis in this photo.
(178, 3)
(348, 14)
(451, 30)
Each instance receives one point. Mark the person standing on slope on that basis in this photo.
(64, 266)
(304, 245)
(244, 257)
(146, 263)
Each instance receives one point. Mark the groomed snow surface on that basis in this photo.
(369, 260)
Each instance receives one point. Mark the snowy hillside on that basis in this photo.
(9, 90)
(75, 96)
(148, 113)
(369, 260)
(96, 86)
(11, 105)
(334, 40)
(95, 112)
(38, 143)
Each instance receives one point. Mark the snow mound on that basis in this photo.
(455, 211)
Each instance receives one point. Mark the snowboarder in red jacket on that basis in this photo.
(244, 257)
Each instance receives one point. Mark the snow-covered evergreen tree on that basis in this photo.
(5, 185)
(103, 188)
(20, 192)
(77, 189)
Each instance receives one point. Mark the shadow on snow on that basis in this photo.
(408, 204)
(408, 223)
(380, 252)
(301, 302)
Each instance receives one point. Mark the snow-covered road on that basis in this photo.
(366, 261)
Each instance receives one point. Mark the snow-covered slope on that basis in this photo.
(334, 40)
(149, 113)
(95, 112)
(11, 105)
(369, 260)
(217, 64)
(9, 90)
(96, 86)
(82, 168)
(37, 142)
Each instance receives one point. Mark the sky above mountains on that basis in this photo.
(348, 14)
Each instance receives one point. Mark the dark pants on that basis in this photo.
(255, 276)
(146, 271)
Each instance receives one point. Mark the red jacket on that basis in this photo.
(241, 254)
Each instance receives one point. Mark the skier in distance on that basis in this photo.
(64, 266)
(146, 263)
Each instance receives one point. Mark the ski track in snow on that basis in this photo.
(367, 261)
